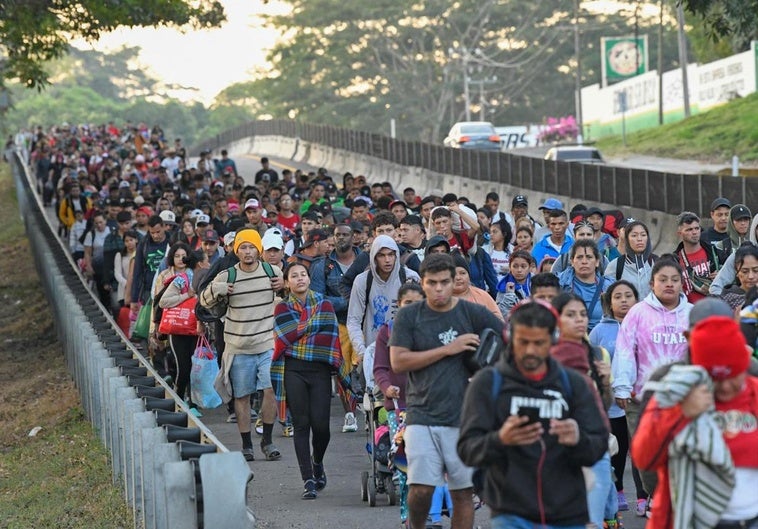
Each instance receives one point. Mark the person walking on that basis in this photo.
(306, 352)
(431, 341)
(530, 425)
(584, 278)
(248, 336)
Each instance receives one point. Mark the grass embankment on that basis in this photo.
(61, 477)
(714, 136)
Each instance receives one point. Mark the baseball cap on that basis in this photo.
(210, 235)
(519, 200)
(626, 221)
(707, 307)
(252, 204)
(167, 216)
(195, 213)
(552, 203)
(229, 238)
(202, 219)
(233, 207)
(139, 200)
(740, 211)
(315, 235)
(720, 202)
(396, 203)
(144, 209)
(593, 210)
(357, 226)
(272, 239)
(123, 184)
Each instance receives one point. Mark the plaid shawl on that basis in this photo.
(307, 331)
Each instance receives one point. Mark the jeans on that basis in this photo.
(510, 521)
(602, 500)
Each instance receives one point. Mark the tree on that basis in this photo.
(737, 19)
(358, 64)
(33, 32)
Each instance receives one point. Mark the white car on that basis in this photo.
(574, 153)
(473, 135)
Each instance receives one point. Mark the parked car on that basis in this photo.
(473, 135)
(574, 153)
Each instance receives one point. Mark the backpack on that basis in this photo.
(480, 473)
(218, 311)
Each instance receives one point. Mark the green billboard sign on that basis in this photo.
(623, 57)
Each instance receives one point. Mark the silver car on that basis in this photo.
(473, 135)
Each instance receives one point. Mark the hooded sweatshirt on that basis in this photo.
(650, 336)
(381, 304)
(511, 479)
(728, 274)
(637, 267)
(604, 335)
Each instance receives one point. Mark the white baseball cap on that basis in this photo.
(168, 216)
(202, 218)
(229, 238)
(272, 240)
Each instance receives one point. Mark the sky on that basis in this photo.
(208, 60)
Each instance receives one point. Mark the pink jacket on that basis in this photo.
(650, 336)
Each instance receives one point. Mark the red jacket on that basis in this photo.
(658, 427)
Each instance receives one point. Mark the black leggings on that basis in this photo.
(620, 429)
(309, 393)
(183, 348)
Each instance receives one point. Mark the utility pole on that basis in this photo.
(683, 59)
(660, 65)
(578, 87)
(466, 95)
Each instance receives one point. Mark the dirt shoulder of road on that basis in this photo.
(60, 477)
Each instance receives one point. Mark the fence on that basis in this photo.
(636, 188)
(173, 471)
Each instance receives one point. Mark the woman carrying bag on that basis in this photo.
(176, 289)
(306, 353)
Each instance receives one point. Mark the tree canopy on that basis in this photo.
(360, 63)
(736, 19)
(33, 32)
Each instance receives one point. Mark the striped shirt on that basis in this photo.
(249, 321)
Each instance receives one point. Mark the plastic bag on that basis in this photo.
(142, 326)
(203, 374)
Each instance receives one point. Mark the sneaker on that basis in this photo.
(319, 475)
(288, 430)
(649, 509)
(623, 504)
(641, 507)
(351, 424)
(232, 418)
(259, 426)
(248, 454)
(196, 412)
(309, 489)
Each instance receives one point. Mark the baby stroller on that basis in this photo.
(378, 443)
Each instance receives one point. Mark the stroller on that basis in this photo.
(378, 443)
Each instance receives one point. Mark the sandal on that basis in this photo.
(271, 452)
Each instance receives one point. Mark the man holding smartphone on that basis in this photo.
(530, 426)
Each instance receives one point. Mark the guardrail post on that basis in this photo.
(229, 475)
(180, 494)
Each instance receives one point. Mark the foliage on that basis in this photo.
(33, 32)
(713, 136)
(737, 19)
(559, 129)
(362, 63)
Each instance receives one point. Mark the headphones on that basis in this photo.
(508, 329)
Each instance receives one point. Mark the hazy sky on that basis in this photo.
(208, 60)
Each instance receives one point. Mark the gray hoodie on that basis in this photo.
(381, 305)
(637, 267)
(728, 274)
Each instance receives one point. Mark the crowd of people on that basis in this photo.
(307, 286)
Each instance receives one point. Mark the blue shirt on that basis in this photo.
(544, 249)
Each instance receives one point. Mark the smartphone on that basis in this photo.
(532, 413)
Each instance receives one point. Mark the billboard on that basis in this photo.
(623, 57)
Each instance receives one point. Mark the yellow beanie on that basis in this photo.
(248, 235)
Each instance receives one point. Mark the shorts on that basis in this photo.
(249, 373)
(431, 453)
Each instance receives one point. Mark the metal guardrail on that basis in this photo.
(637, 188)
(173, 471)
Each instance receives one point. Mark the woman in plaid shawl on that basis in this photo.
(306, 352)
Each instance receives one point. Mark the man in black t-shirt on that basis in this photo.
(266, 173)
(429, 341)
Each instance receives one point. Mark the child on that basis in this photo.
(515, 286)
